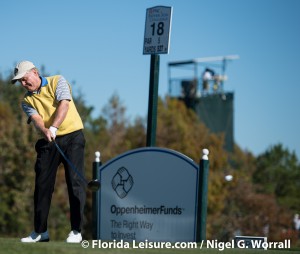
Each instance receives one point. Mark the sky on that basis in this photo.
(98, 46)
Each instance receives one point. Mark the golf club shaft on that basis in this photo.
(70, 163)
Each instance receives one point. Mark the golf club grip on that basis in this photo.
(69, 162)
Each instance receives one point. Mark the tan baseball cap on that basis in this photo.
(21, 69)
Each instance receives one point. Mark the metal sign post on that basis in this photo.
(156, 41)
(152, 101)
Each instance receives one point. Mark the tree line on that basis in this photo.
(261, 199)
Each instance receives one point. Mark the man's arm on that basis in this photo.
(61, 113)
(40, 126)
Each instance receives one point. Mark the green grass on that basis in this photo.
(14, 246)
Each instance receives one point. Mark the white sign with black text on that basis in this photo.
(149, 194)
(157, 30)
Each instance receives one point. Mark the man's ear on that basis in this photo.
(35, 71)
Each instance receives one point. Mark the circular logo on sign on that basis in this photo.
(122, 182)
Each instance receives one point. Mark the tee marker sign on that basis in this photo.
(157, 30)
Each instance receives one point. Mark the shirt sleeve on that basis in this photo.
(63, 91)
(29, 111)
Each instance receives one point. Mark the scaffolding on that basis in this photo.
(203, 91)
(189, 78)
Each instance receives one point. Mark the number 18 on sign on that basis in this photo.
(157, 30)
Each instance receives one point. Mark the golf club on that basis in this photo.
(93, 185)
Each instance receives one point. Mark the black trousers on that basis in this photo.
(47, 162)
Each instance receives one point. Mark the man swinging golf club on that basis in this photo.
(48, 104)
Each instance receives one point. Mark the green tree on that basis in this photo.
(180, 129)
(16, 166)
(278, 172)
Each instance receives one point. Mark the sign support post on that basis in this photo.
(202, 196)
(152, 102)
(95, 198)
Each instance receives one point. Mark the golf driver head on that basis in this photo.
(94, 185)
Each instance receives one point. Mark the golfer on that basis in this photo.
(49, 106)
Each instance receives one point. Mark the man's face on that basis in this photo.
(31, 81)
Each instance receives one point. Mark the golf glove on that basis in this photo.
(53, 131)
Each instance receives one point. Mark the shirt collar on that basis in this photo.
(44, 81)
